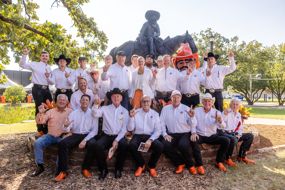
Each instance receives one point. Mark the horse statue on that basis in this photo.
(166, 46)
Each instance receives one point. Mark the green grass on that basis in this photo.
(15, 114)
(18, 128)
(270, 113)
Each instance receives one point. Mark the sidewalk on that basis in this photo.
(253, 120)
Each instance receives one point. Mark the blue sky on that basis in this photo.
(121, 20)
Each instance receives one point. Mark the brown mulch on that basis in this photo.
(16, 165)
(270, 135)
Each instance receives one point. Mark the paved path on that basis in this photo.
(253, 120)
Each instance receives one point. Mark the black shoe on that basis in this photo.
(38, 171)
(103, 174)
(118, 174)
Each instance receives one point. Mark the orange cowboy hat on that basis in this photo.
(185, 52)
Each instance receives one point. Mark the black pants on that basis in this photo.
(190, 101)
(64, 147)
(68, 93)
(246, 138)
(156, 146)
(179, 150)
(40, 96)
(216, 139)
(103, 144)
(218, 99)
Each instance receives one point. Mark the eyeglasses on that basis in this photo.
(145, 101)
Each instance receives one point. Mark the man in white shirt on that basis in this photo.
(234, 131)
(62, 77)
(134, 63)
(166, 80)
(40, 73)
(76, 96)
(95, 84)
(115, 120)
(120, 77)
(177, 121)
(214, 77)
(146, 127)
(83, 127)
(209, 120)
(81, 72)
(191, 80)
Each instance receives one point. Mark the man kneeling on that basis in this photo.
(146, 128)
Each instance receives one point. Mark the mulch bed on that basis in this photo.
(16, 164)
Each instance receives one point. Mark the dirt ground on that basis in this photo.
(270, 135)
(16, 165)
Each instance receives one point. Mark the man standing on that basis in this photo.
(208, 120)
(81, 72)
(134, 61)
(55, 119)
(214, 77)
(76, 96)
(83, 127)
(189, 85)
(166, 80)
(120, 77)
(115, 120)
(177, 121)
(40, 74)
(145, 125)
(62, 77)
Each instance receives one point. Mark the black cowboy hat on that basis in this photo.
(151, 13)
(211, 54)
(56, 60)
(114, 91)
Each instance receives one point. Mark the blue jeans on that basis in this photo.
(41, 143)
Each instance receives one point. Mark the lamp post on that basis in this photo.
(212, 43)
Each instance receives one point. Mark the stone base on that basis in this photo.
(77, 155)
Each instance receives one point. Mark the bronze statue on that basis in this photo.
(150, 32)
(149, 42)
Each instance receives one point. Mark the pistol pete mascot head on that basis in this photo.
(183, 57)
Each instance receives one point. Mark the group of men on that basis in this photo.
(124, 97)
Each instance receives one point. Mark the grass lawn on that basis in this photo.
(18, 128)
(270, 113)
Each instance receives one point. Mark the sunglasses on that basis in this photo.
(185, 60)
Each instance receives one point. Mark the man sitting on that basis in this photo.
(115, 120)
(146, 127)
(208, 120)
(234, 131)
(177, 120)
(55, 119)
(83, 127)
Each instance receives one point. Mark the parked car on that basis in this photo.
(238, 96)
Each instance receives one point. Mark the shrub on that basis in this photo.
(15, 94)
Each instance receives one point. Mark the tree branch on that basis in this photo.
(26, 26)
(26, 11)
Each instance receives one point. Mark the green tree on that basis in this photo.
(20, 27)
(276, 74)
(253, 59)
(15, 94)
